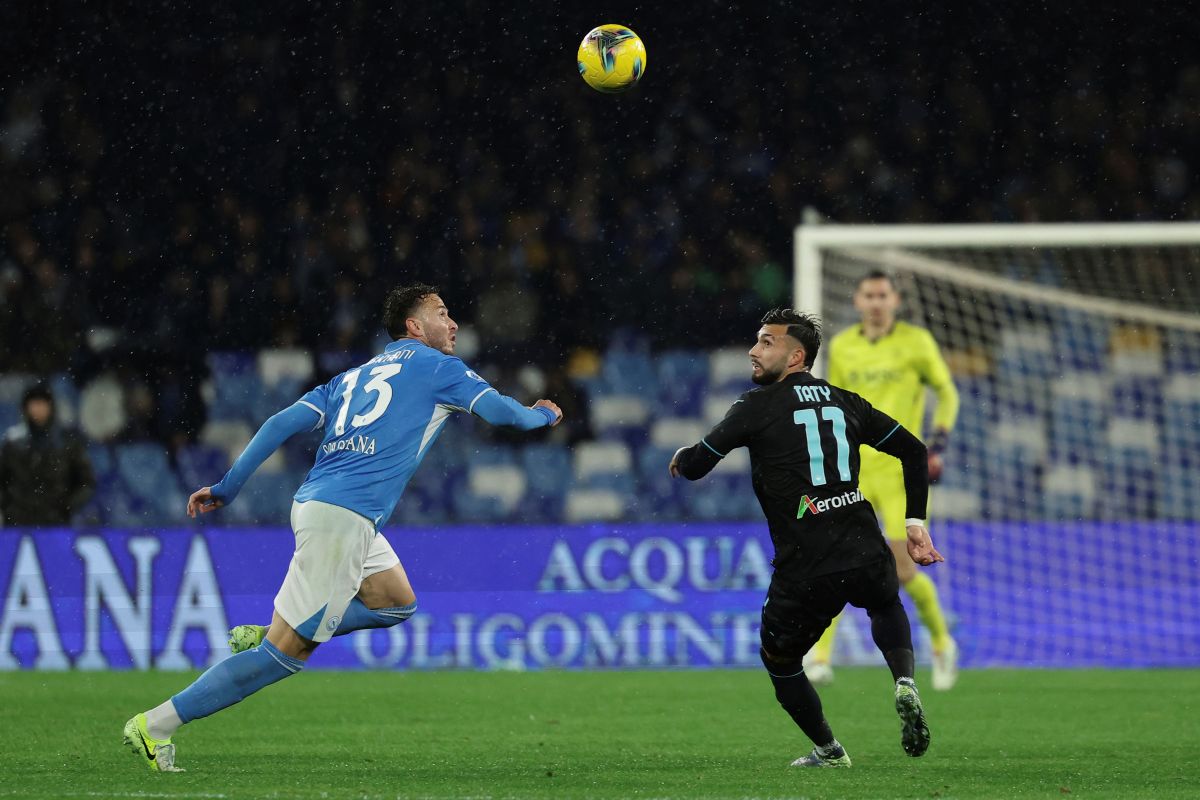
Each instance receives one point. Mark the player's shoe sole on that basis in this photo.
(945, 667)
(246, 637)
(158, 756)
(914, 732)
(815, 759)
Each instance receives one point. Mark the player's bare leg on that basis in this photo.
(288, 642)
(923, 591)
(387, 588)
(384, 599)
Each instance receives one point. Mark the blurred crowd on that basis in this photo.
(179, 182)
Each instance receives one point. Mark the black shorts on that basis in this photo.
(797, 613)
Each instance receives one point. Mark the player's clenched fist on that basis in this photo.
(550, 404)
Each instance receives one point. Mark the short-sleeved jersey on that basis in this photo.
(379, 421)
(803, 435)
(893, 371)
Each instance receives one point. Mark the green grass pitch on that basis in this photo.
(1000, 734)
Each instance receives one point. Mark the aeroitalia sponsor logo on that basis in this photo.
(809, 505)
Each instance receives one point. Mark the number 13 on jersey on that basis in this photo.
(377, 385)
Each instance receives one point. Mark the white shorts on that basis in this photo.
(335, 550)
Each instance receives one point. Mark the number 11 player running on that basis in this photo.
(379, 421)
(803, 435)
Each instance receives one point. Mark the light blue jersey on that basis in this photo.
(379, 421)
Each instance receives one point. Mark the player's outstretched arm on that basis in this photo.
(497, 409)
(275, 431)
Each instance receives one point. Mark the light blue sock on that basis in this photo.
(358, 617)
(233, 680)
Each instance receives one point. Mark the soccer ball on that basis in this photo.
(611, 58)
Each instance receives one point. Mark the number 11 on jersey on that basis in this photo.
(816, 453)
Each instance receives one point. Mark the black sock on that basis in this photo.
(893, 637)
(800, 700)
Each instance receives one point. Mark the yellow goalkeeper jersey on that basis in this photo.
(892, 373)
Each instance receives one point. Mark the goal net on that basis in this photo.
(1069, 510)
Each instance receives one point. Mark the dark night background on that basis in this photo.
(181, 180)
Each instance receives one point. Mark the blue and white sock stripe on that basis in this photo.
(292, 665)
(400, 613)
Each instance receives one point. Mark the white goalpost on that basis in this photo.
(1076, 351)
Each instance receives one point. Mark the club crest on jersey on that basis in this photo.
(809, 505)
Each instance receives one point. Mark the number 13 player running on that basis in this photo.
(803, 435)
(379, 420)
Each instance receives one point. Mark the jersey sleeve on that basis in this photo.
(935, 373)
(737, 429)
(458, 386)
(318, 400)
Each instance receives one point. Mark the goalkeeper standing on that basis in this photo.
(890, 364)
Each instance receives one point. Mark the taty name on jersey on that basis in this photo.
(813, 394)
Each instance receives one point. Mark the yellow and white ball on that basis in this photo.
(612, 58)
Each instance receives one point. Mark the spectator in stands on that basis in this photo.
(45, 473)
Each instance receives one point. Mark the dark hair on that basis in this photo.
(38, 391)
(878, 275)
(401, 302)
(804, 328)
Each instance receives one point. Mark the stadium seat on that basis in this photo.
(1069, 492)
(10, 415)
(13, 386)
(232, 436)
(66, 399)
(502, 484)
(1078, 411)
(721, 497)
(947, 502)
(237, 396)
(593, 505)
(1016, 451)
(1130, 469)
(628, 373)
(102, 408)
(266, 499)
(658, 493)
(1137, 397)
(620, 416)
(729, 368)
(1181, 352)
(1135, 351)
(146, 474)
(547, 468)
(1081, 341)
(682, 382)
(601, 458)
(201, 465)
(717, 406)
(290, 365)
(676, 432)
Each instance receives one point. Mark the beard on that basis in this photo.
(765, 377)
